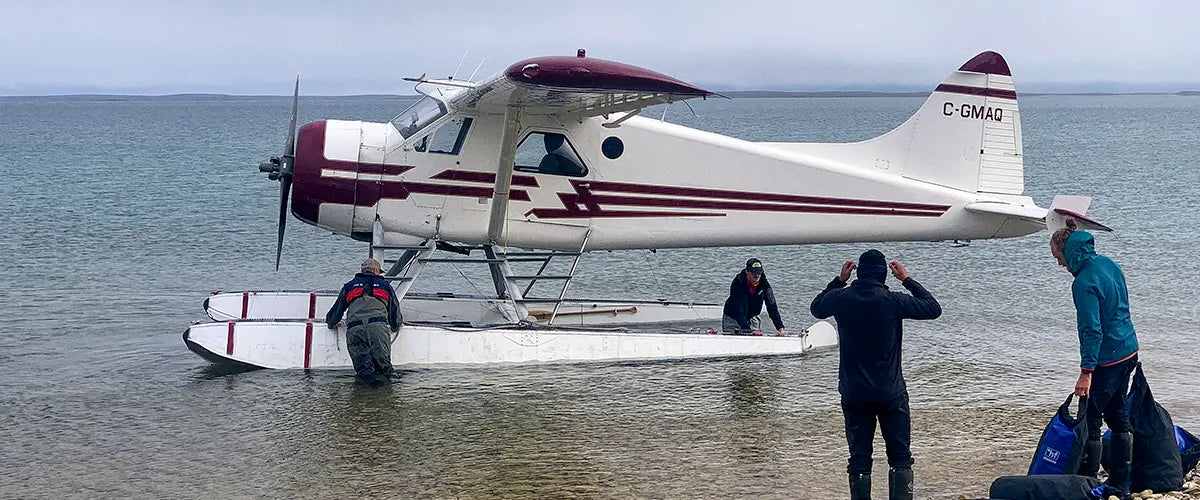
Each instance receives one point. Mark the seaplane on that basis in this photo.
(551, 159)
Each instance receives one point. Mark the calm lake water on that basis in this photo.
(117, 218)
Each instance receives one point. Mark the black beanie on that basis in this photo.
(872, 266)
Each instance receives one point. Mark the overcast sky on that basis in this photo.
(358, 47)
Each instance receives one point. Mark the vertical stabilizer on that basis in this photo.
(967, 135)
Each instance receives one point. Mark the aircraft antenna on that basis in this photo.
(460, 61)
(472, 77)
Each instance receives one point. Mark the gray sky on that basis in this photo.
(353, 47)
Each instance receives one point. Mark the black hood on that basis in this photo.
(872, 266)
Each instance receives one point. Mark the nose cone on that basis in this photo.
(322, 189)
(307, 186)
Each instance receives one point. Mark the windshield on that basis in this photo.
(417, 116)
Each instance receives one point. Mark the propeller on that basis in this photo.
(280, 168)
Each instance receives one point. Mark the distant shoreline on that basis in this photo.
(738, 94)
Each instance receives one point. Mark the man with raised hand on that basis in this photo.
(870, 332)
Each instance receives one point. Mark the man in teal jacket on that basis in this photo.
(1108, 347)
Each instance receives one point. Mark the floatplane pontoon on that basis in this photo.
(551, 155)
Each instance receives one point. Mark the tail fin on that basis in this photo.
(966, 136)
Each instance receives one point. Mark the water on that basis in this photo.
(117, 218)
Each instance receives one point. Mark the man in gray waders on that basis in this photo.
(372, 314)
(870, 331)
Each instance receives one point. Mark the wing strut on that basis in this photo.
(504, 172)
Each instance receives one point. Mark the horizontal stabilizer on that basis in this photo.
(1033, 214)
(1030, 217)
(1061, 208)
(1076, 207)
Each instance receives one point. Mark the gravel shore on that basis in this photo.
(1190, 490)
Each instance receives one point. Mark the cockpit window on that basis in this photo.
(447, 139)
(419, 115)
(548, 153)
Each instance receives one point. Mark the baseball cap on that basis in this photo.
(755, 266)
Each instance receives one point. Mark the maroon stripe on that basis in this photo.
(559, 213)
(624, 187)
(312, 304)
(757, 207)
(245, 303)
(342, 191)
(963, 89)
(489, 178)
(308, 345)
(229, 340)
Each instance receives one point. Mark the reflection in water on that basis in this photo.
(211, 372)
(753, 406)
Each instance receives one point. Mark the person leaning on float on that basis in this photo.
(747, 294)
(371, 310)
(1108, 347)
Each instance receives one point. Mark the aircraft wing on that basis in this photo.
(578, 86)
(1052, 218)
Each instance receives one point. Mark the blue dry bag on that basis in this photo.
(1061, 448)
(1189, 448)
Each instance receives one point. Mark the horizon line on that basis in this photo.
(728, 93)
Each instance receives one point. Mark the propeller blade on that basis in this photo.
(285, 172)
(289, 147)
(285, 188)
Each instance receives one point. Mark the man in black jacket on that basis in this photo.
(869, 320)
(747, 294)
(372, 310)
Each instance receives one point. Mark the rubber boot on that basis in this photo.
(900, 484)
(860, 486)
(1091, 458)
(1122, 458)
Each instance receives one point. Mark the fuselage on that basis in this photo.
(671, 186)
(629, 182)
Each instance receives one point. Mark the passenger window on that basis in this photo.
(548, 153)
